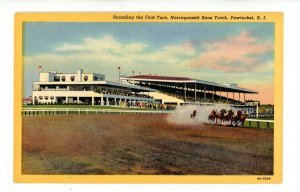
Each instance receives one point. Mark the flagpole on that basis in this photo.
(119, 68)
(39, 69)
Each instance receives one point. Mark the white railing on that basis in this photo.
(261, 120)
(258, 122)
(74, 111)
(82, 111)
(261, 115)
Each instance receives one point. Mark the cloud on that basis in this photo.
(218, 61)
(109, 50)
(236, 54)
(107, 43)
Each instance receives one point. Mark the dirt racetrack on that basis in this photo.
(141, 144)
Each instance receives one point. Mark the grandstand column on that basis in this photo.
(227, 95)
(77, 100)
(184, 91)
(195, 92)
(204, 92)
(115, 101)
(102, 101)
(66, 99)
(93, 100)
(107, 101)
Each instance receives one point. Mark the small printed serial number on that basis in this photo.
(264, 178)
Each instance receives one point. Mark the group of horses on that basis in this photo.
(224, 116)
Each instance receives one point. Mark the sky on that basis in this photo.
(241, 53)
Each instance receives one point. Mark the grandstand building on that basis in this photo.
(85, 88)
(179, 90)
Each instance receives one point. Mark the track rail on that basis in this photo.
(261, 120)
(81, 111)
(258, 123)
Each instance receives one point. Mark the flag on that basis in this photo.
(39, 68)
(119, 68)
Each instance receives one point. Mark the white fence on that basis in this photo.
(81, 111)
(258, 123)
(261, 115)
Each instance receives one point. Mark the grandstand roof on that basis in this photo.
(161, 77)
(189, 83)
(103, 83)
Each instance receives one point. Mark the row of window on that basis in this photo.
(72, 78)
(54, 87)
(46, 97)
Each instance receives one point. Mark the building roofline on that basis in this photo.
(94, 83)
(188, 80)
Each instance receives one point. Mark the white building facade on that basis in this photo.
(84, 88)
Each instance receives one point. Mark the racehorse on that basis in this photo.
(239, 119)
(212, 116)
(229, 115)
(222, 115)
(193, 115)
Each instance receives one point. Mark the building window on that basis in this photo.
(86, 77)
(56, 78)
(95, 78)
(51, 86)
(46, 97)
(63, 78)
(52, 97)
(72, 78)
(40, 97)
(62, 86)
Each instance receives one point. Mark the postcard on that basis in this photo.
(148, 97)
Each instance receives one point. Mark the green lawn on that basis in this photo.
(262, 125)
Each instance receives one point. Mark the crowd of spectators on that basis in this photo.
(122, 93)
(147, 105)
(267, 109)
(190, 95)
